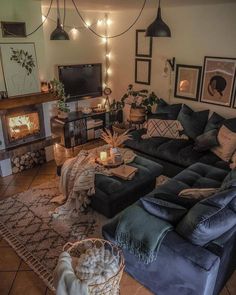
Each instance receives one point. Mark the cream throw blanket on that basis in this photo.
(77, 182)
(65, 280)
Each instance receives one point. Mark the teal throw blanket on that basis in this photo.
(141, 233)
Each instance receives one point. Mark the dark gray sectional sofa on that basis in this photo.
(199, 255)
(183, 267)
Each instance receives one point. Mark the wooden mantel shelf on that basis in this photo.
(26, 100)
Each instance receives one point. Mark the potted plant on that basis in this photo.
(141, 102)
(59, 90)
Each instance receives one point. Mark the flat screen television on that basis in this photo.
(81, 81)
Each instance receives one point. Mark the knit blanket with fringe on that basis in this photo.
(77, 181)
(141, 233)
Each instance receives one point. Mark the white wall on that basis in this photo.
(197, 31)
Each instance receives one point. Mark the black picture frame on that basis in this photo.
(13, 29)
(139, 51)
(138, 64)
(219, 71)
(234, 102)
(192, 86)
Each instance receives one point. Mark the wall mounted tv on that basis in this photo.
(81, 81)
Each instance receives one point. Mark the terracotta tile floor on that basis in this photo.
(16, 278)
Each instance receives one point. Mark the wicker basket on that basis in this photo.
(120, 128)
(112, 285)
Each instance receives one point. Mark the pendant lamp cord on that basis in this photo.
(113, 36)
(64, 16)
(46, 16)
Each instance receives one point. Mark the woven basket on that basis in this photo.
(112, 285)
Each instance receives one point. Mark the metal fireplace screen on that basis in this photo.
(22, 126)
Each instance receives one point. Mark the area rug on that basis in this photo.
(37, 237)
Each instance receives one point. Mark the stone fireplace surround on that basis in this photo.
(34, 145)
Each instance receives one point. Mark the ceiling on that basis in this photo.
(131, 4)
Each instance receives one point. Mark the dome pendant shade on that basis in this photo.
(158, 28)
(59, 33)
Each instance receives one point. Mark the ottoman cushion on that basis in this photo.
(114, 194)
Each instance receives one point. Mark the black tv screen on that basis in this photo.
(81, 81)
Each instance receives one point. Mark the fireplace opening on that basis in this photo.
(23, 125)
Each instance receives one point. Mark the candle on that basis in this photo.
(103, 156)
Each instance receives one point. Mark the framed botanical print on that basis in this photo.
(187, 81)
(218, 80)
(143, 47)
(142, 71)
(19, 66)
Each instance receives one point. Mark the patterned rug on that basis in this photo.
(37, 237)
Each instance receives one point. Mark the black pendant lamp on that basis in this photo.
(158, 28)
(59, 33)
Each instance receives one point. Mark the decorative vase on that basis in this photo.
(137, 114)
(62, 115)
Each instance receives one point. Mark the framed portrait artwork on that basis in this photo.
(142, 71)
(218, 80)
(187, 81)
(143, 46)
(19, 68)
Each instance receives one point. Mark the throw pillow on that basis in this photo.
(227, 144)
(197, 193)
(163, 209)
(193, 122)
(209, 218)
(229, 181)
(233, 161)
(214, 122)
(231, 124)
(206, 141)
(170, 110)
(164, 128)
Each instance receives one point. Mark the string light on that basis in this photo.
(109, 22)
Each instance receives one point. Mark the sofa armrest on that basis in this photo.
(180, 266)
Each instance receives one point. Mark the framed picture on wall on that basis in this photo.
(187, 81)
(218, 80)
(143, 46)
(20, 70)
(142, 71)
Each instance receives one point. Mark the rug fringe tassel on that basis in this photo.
(35, 265)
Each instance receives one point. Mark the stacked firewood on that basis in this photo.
(28, 160)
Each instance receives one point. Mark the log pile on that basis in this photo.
(28, 160)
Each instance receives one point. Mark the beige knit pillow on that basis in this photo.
(227, 144)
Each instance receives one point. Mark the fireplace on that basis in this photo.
(23, 125)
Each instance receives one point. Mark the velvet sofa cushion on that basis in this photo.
(171, 111)
(168, 211)
(231, 124)
(206, 141)
(196, 176)
(177, 151)
(193, 122)
(210, 218)
(215, 122)
(229, 180)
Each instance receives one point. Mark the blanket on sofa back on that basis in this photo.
(141, 233)
(77, 182)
